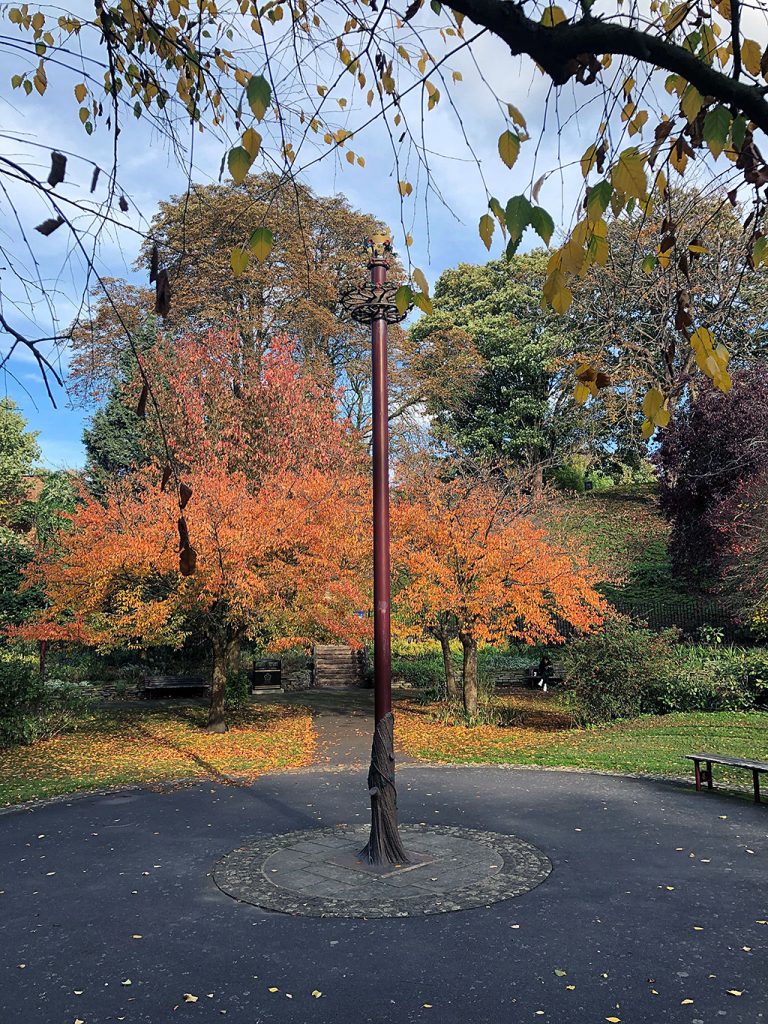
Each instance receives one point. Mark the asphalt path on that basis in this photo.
(656, 910)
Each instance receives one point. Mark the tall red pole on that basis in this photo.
(382, 643)
(384, 845)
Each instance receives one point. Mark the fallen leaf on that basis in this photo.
(733, 992)
(560, 973)
(654, 992)
(189, 998)
(570, 988)
(669, 888)
(686, 1002)
(78, 991)
(126, 982)
(698, 928)
(316, 993)
(613, 1020)
(274, 989)
(747, 949)
(137, 936)
(427, 1006)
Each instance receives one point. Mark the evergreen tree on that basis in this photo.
(117, 440)
(491, 366)
(18, 452)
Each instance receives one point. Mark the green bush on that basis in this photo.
(620, 672)
(422, 672)
(237, 689)
(32, 710)
(568, 478)
(717, 678)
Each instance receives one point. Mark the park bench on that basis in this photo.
(705, 774)
(168, 686)
(514, 676)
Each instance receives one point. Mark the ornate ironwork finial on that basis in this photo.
(375, 299)
(379, 248)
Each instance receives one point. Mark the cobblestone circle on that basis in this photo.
(313, 873)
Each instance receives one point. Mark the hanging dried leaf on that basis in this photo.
(50, 225)
(185, 493)
(167, 472)
(141, 408)
(154, 263)
(58, 169)
(187, 561)
(123, 204)
(162, 294)
(183, 533)
(95, 178)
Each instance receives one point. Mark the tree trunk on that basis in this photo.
(384, 845)
(232, 654)
(216, 720)
(469, 645)
(451, 683)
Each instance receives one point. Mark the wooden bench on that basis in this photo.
(525, 676)
(705, 774)
(157, 686)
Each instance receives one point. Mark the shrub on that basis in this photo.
(424, 672)
(568, 478)
(237, 689)
(32, 710)
(717, 679)
(620, 672)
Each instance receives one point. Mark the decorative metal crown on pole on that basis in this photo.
(369, 302)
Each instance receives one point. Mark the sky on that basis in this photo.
(444, 227)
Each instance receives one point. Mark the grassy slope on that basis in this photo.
(541, 736)
(156, 744)
(624, 533)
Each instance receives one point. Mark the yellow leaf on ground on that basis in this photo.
(189, 998)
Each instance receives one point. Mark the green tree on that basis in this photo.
(19, 451)
(118, 440)
(492, 367)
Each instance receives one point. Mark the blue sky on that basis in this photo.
(444, 231)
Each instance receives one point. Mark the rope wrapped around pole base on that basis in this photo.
(384, 845)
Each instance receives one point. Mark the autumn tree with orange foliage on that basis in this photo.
(470, 550)
(262, 491)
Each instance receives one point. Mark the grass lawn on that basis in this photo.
(156, 744)
(541, 735)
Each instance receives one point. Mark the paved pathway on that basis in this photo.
(343, 721)
(658, 896)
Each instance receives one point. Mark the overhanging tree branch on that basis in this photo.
(558, 51)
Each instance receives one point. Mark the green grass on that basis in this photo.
(652, 744)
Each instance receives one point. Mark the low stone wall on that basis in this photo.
(297, 672)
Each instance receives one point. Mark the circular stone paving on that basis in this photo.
(316, 873)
